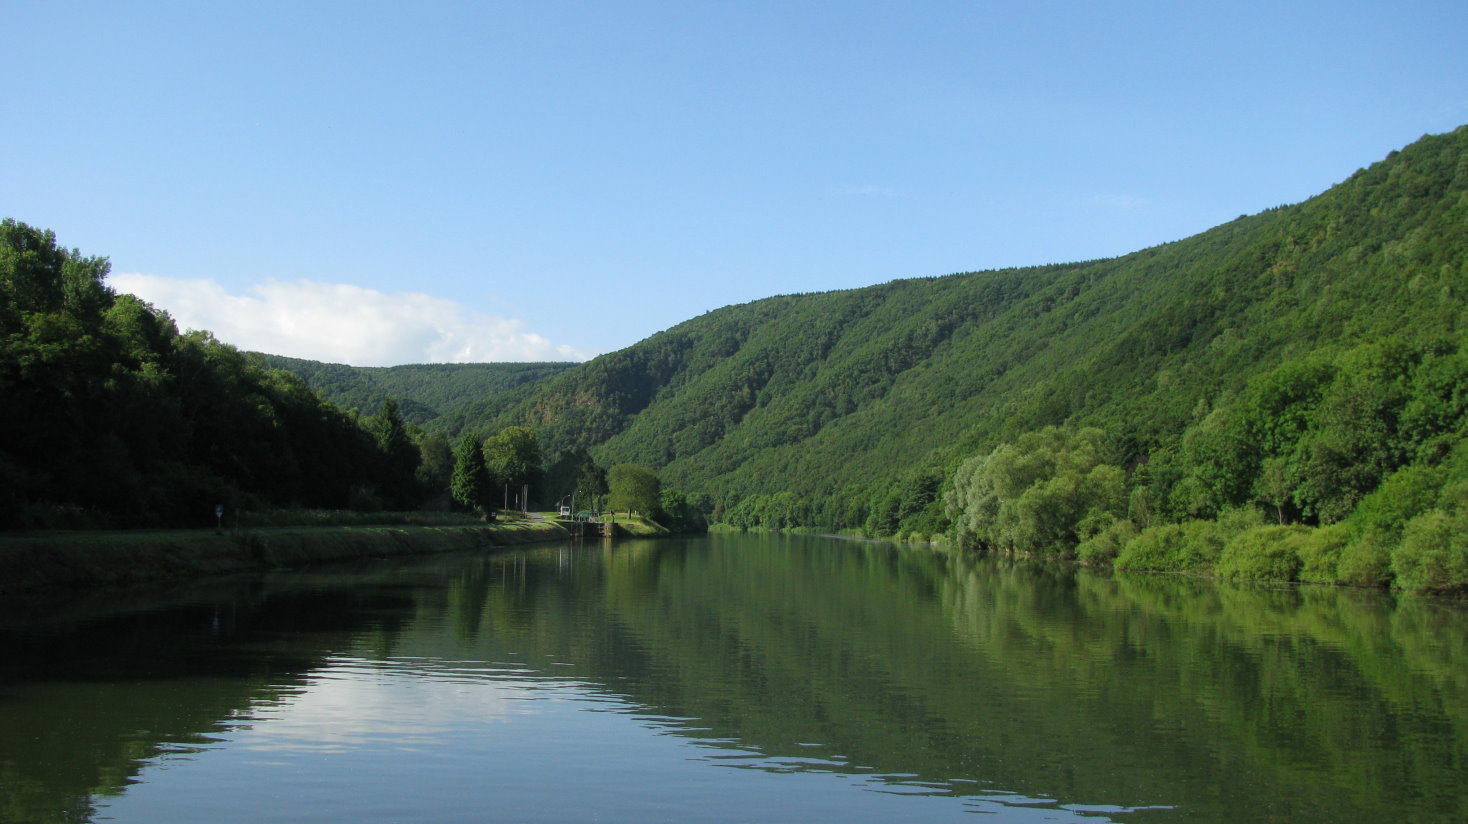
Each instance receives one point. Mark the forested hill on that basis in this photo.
(1305, 366)
(109, 416)
(424, 391)
(854, 404)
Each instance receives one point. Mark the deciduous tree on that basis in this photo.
(513, 458)
(634, 488)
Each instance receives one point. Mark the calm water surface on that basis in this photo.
(732, 679)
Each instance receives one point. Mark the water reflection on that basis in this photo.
(734, 679)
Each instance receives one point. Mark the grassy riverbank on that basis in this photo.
(636, 526)
(71, 560)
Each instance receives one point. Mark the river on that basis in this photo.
(731, 679)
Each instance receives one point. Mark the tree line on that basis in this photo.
(109, 416)
(1338, 467)
(113, 418)
(506, 471)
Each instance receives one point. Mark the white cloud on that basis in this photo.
(341, 323)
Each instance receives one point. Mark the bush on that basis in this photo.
(1192, 546)
(1166, 548)
(1366, 561)
(1235, 521)
(1320, 554)
(60, 516)
(1104, 547)
(1155, 549)
(1403, 496)
(1265, 553)
(1433, 554)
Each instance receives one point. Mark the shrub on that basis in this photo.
(1104, 547)
(1403, 496)
(1191, 546)
(1235, 521)
(1366, 561)
(1155, 549)
(1433, 554)
(1265, 553)
(1320, 554)
(1164, 548)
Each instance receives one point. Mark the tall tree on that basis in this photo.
(591, 485)
(470, 484)
(513, 459)
(633, 487)
(400, 454)
(576, 474)
(437, 468)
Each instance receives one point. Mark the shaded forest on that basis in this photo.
(112, 417)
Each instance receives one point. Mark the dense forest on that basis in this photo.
(1284, 396)
(445, 394)
(1293, 379)
(112, 417)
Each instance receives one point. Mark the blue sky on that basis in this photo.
(380, 183)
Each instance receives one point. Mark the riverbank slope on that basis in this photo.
(53, 561)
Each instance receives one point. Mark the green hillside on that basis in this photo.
(857, 407)
(1281, 397)
(423, 391)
